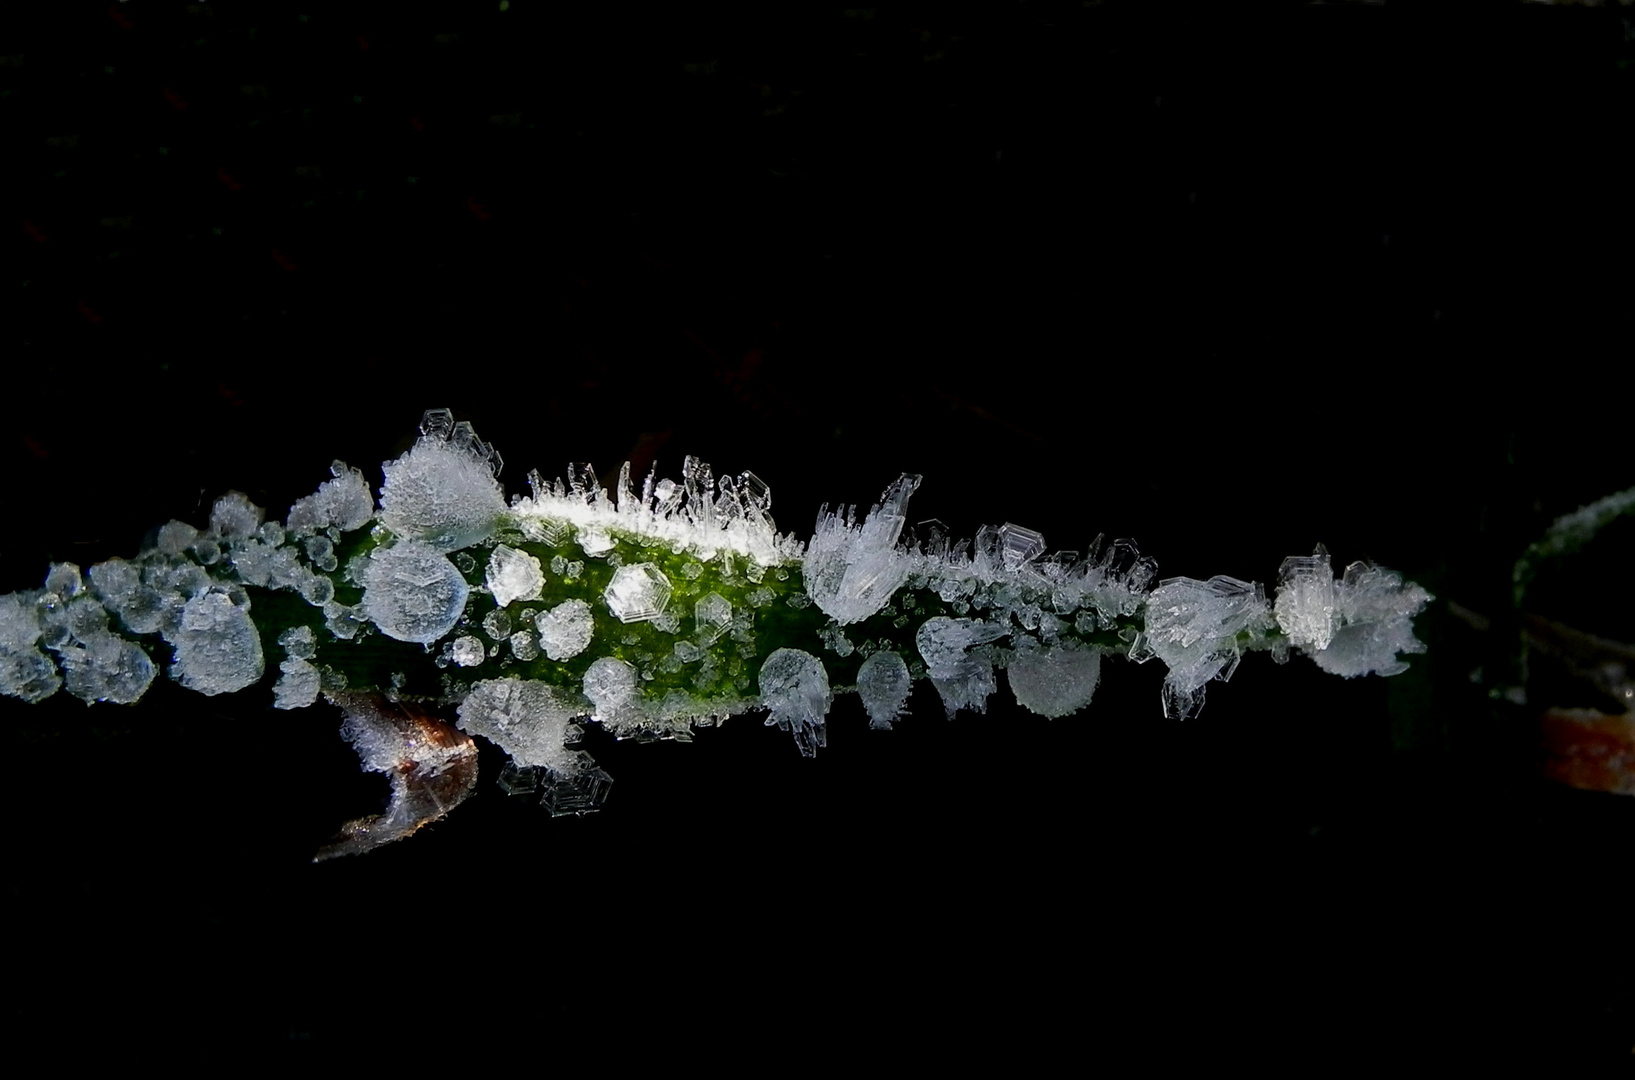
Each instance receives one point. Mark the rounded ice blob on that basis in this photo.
(413, 592)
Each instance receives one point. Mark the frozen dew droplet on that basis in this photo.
(1055, 681)
(566, 630)
(796, 690)
(638, 593)
(514, 575)
(234, 516)
(218, 649)
(883, 683)
(412, 592)
(467, 651)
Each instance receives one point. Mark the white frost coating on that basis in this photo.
(1055, 681)
(1376, 610)
(1192, 626)
(342, 503)
(638, 593)
(25, 671)
(1305, 606)
(525, 718)
(412, 592)
(610, 684)
(442, 494)
(883, 683)
(797, 694)
(217, 647)
(852, 570)
(698, 515)
(963, 680)
(565, 630)
(514, 575)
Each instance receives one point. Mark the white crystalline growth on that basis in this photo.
(565, 630)
(852, 570)
(514, 575)
(218, 649)
(525, 718)
(1193, 627)
(964, 681)
(796, 690)
(25, 671)
(1055, 681)
(441, 493)
(342, 503)
(412, 592)
(1376, 609)
(883, 683)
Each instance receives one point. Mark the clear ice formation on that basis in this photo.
(651, 610)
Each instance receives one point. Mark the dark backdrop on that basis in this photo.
(1226, 284)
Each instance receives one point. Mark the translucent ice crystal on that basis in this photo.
(883, 683)
(218, 649)
(565, 630)
(514, 575)
(412, 592)
(796, 690)
(853, 570)
(1055, 681)
(712, 615)
(1305, 606)
(525, 718)
(1193, 626)
(442, 494)
(1018, 545)
(638, 593)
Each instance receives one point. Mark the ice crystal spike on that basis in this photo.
(650, 614)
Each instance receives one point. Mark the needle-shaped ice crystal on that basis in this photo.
(1193, 626)
(853, 570)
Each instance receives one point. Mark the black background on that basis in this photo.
(1227, 284)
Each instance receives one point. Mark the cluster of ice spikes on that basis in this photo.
(650, 612)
